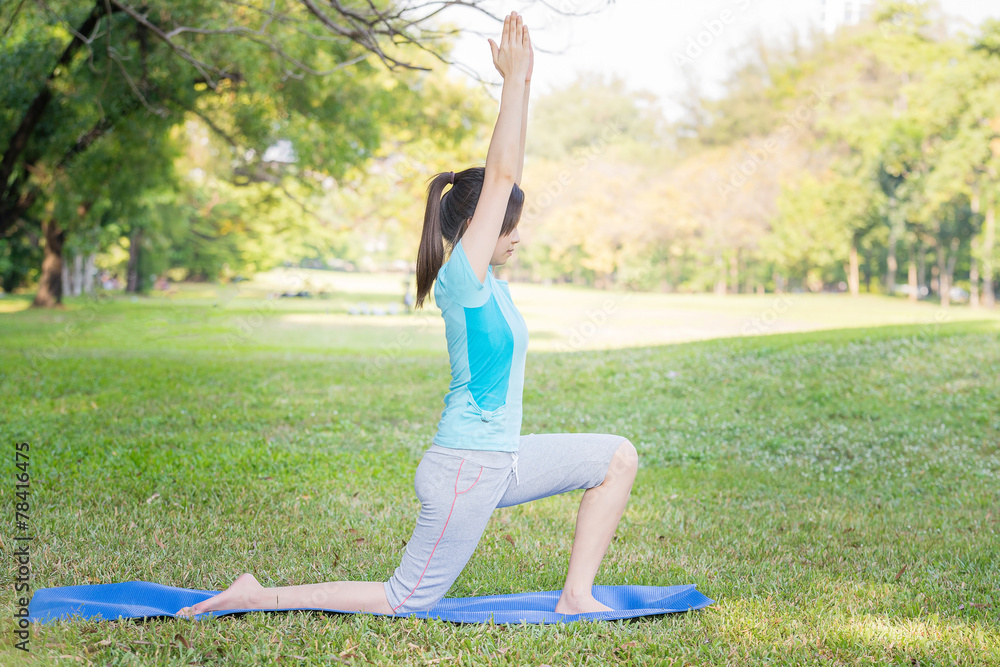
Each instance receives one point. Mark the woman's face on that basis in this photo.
(505, 248)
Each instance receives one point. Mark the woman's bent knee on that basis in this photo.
(625, 461)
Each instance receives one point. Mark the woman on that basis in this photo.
(478, 460)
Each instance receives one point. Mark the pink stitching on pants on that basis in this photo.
(450, 511)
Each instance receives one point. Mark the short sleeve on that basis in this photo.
(459, 282)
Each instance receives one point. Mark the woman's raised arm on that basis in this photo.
(524, 110)
(512, 58)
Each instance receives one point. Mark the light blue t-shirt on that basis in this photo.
(487, 345)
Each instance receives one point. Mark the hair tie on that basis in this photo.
(452, 181)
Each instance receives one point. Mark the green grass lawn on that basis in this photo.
(837, 492)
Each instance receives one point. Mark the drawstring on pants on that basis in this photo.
(514, 457)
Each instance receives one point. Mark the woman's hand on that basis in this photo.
(531, 56)
(513, 57)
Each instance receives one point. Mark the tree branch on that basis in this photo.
(183, 53)
(19, 140)
(364, 38)
(13, 17)
(256, 175)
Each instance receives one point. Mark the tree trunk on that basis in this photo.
(921, 268)
(66, 277)
(868, 272)
(734, 271)
(890, 272)
(911, 278)
(133, 284)
(949, 271)
(912, 281)
(974, 274)
(77, 274)
(49, 293)
(854, 275)
(72, 275)
(720, 275)
(974, 252)
(779, 283)
(89, 272)
(989, 231)
(944, 289)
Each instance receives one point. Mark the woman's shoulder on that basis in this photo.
(459, 282)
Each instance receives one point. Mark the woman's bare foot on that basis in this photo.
(243, 593)
(579, 605)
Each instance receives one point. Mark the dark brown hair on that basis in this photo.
(444, 220)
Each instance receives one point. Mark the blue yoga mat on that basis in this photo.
(143, 599)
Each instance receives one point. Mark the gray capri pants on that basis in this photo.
(458, 490)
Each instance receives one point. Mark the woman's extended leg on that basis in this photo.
(457, 497)
(247, 593)
(600, 511)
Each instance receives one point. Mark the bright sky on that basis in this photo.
(642, 40)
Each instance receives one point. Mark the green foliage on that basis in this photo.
(588, 111)
(252, 81)
(801, 239)
(891, 125)
(989, 37)
(19, 259)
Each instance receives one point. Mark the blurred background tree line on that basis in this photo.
(209, 140)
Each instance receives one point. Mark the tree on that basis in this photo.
(587, 174)
(255, 73)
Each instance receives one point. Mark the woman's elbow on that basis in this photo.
(501, 176)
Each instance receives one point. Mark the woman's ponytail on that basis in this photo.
(430, 256)
(445, 220)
